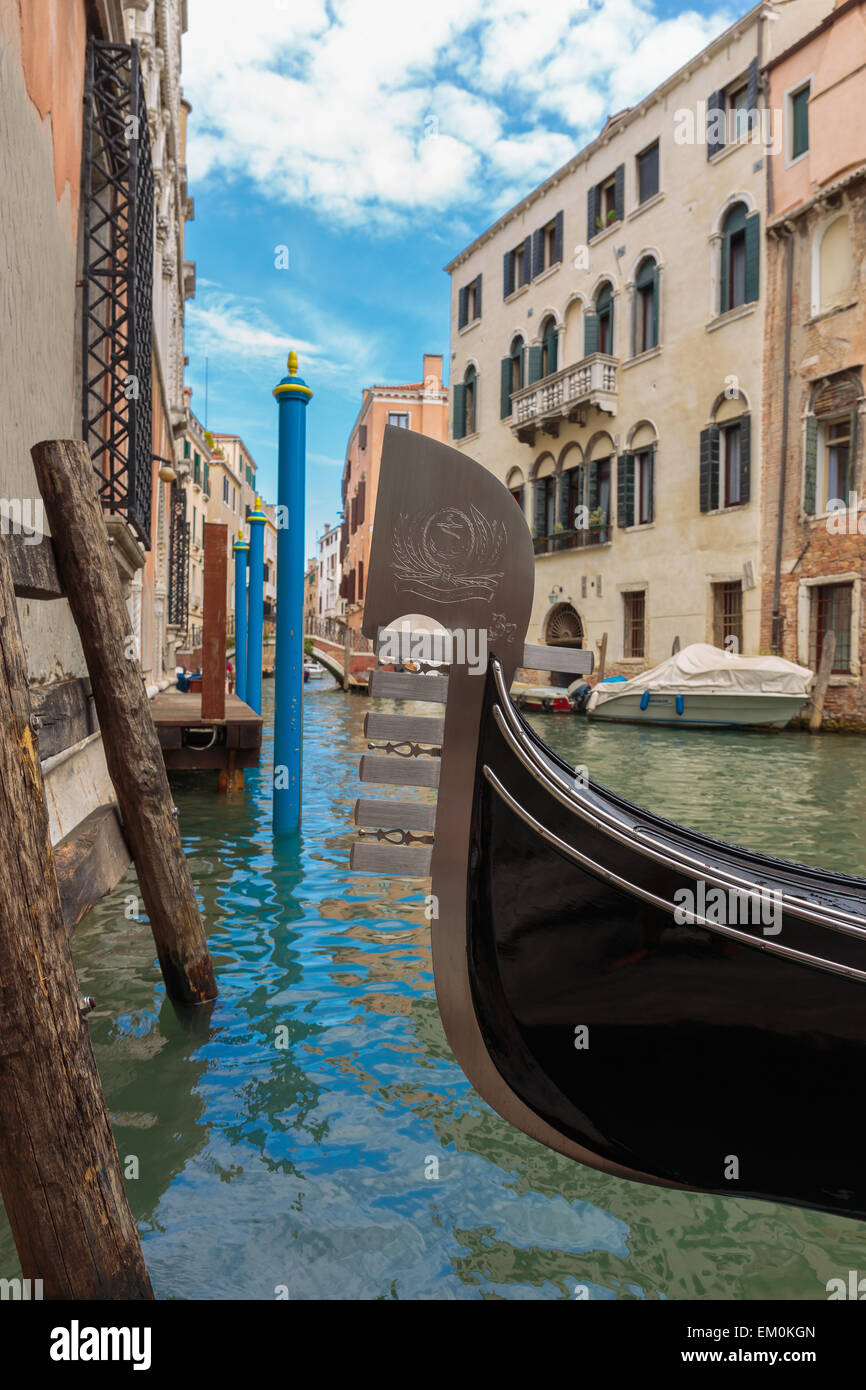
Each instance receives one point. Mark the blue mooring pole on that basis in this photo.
(293, 396)
(256, 619)
(241, 550)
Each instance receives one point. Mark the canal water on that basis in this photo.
(313, 1138)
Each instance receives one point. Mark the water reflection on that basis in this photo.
(308, 1164)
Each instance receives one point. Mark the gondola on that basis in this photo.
(647, 1000)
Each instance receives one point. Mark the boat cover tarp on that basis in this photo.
(702, 667)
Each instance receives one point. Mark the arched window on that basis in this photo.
(726, 456)
(645, 333)
(515, 486)
(548, 346)
(517, 355)
(740, 258)
(835, 266)
(513, 374)
(604, 312)
(465, 404)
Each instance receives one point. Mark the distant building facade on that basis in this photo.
(814, 563)
(331, 606)
(421, 406)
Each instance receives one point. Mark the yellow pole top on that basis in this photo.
(293, 363)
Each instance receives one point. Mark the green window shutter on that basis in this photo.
(625, 490)
(656, 293)
(506, 368)
(186, 448)
(752, 94)
(507, 274)
(745, 457)
(563, 495)
(537, 252)
(551, 339)
(459, 418)
(592, 487)
(715, 137)
(478, 297)
(463, 307)
(753, 256)
(709, 471)
(527, 261)
(810, 467)
(800, 118)
(534, 364)
(619, 191)
(724, 290)
(557, 238)
(590, 334)
(852, 454)
(652, 482)
(539, 506)
(591, 211)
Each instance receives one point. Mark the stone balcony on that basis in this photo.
(566, 395)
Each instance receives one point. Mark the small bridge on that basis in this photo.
(332, 653)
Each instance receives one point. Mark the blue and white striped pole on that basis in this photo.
(256, 620)
(241, 551)
(293, 396)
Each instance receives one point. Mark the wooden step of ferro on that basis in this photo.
(577, 661)
(391, 770)
(407, 685)
(384, 815)
(403, 728)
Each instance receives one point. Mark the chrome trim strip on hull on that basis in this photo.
(744, 938)
(833, 918)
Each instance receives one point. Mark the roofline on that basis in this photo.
(217, 435)
(826, 23)
(606, 135)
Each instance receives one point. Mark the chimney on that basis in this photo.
(432, 368)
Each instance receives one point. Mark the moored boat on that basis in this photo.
(705, 687)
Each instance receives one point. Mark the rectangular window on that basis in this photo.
(831, 611)
(645, 309)
(473, 302)
(737, 107)
(836, 440)
(521, 266)
(401, 421)
(608, 202)
(634, 630)
(648, 173)
(799, 114)
(728, 616)
(731, 441)
(225, 492)
(736, 269)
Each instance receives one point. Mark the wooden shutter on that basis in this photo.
(852, 454)
(551, 339)
(527, 261)
(539, 507)
(715, 142)
(592, 487)
(810, 467)
(591, 211)
(362, 436)
(557, 238)
(709, 473)
(534, 373)
(537, 252)
(619, 192)
(724, 288)
(745, 456)
(753, 256)
(752, 94)
(625, 490)
(462, 306)
(360, 580)
(590, 334)
(507, 274)
(478, 296)
(563, 495)
(656, 293)
(459, 414)
(506, 368)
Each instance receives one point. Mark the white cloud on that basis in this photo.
(374, 110)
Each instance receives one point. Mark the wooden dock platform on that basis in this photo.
(190, 743)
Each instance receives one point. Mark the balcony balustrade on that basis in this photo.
(563, 395)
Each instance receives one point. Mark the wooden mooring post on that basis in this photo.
(69, 490)
(60, 1175)
(825, 670)
(213, 638)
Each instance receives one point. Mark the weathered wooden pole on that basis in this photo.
(347, 656)
(69, 490)
(602, 658)
(213, 637)
(825, 670)
(60, 1175)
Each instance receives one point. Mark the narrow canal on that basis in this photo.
(316, 1138)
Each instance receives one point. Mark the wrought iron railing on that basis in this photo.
(178, 560)
(117, 282)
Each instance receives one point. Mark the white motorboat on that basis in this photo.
(705, 687)
(313, 671)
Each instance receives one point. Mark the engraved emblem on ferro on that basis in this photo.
(452, 555)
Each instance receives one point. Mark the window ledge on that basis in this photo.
(639, 526)
(546, 274)
(729, 147)
(724, 511)
(830, 313)
(605, 232)
(646, 205)
(641, 357)
(467, 327)
(515, 294)
(732, 315)
(467, 438)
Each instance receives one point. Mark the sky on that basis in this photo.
(341, 152)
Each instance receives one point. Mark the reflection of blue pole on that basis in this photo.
(256, 619)
(241, 550)
(292, 396)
